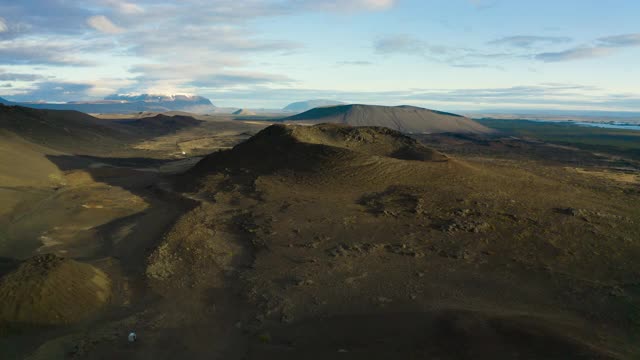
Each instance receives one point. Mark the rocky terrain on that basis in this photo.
(324, 241)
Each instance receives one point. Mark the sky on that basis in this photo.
(442, 54)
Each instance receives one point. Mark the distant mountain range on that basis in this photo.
(159, 103)
(124, 104)
(302, 106)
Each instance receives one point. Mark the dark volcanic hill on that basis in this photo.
(49, 290)
(160, 123)
(124, 104)
(362, 239)
(67, 130)
(407, 119)
(76, 132)
(323, 146)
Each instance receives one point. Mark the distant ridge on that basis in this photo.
(301, 106)
(244, 112)
(125, 104)
(4, 101)
(406, 119)
(77, 132)
(65, 130)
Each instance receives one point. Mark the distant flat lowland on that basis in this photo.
(613, 140)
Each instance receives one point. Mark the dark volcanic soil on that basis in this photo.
(360, 243)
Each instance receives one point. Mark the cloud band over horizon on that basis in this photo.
(369, 50)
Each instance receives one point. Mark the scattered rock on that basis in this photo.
(511, 217)
(286, 318)
(403, 250)
(462, 212)
(588, 215)
(353, 250)
(617, 291)
(458, 254)
(394, 202)
(572, 211)
(465, 225)
(304, 282)
(353, 279)
(312, 245)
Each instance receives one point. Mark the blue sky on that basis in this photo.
(444, 54)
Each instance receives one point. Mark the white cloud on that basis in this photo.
(575, 54)
(351, 5)
(603, 47)
(103, 24)
(125, 7)
(374, 4)
(3, 25)
(33, 51)
(103, 87)
(404, 44)
(626, 40)
(548, 95)
(354, 63)
(527, 41)
(5, 76)
(400, 43)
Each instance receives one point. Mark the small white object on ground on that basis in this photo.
(132, 337)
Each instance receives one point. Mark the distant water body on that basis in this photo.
(593, 124)
(607, 126)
